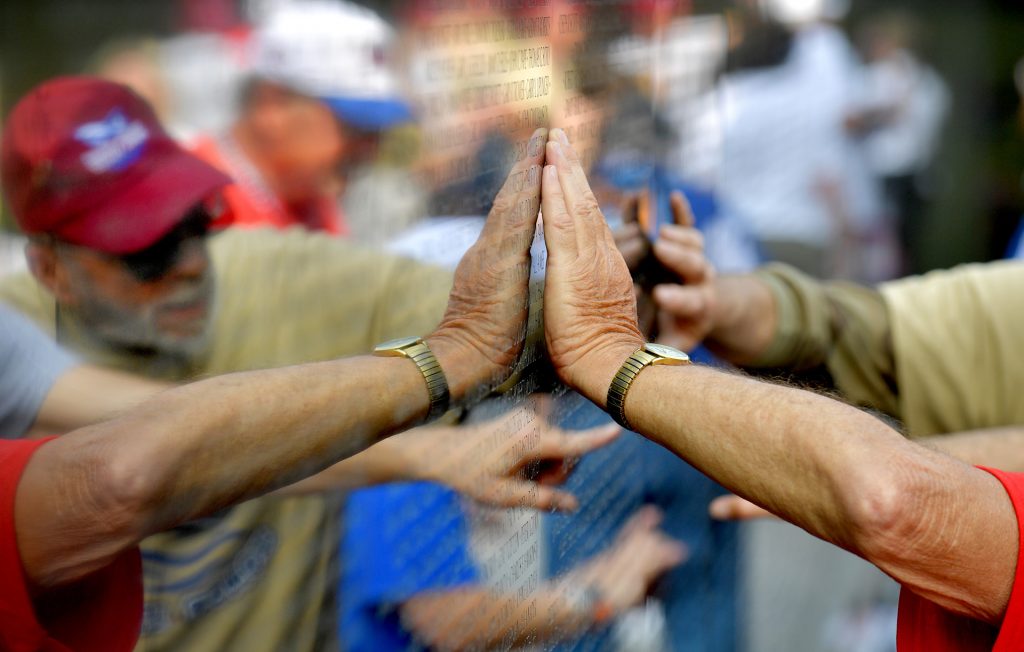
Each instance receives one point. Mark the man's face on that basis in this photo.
(163, 307)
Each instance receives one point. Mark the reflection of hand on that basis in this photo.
(623, 575)
(685, 311)
(489, 461)
(483, 329)
(630, 239)
(589, 307)
(734, 508)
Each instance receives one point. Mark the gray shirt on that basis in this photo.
(29, 365)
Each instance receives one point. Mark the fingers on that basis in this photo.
(570, 170)
(559, 226)
(516, 204)
(732, 508)
(680, 301)
(682, 214)
(644, 519)
(566, 445)
(510, 492)
(686, 261)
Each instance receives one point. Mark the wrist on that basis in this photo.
(461, 364)
(593, 373)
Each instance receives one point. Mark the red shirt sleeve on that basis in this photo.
(926, 627)
(102, 611)
(1011, 632)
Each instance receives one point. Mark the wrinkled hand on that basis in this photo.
(685, 311)
(511, 461)
(642, 553)
(734, 508)
(484, 327)
(589, 308)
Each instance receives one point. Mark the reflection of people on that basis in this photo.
(946, 531)
(76, 507)
(319, 94)
(411, 576)
(182, 306)
(788, 165)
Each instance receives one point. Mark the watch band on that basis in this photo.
(648, 354)
(417, 350)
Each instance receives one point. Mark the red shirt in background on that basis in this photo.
(102, 611)
(250, 203)
(923, 626)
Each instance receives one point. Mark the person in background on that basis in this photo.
(124, 273)
(319, 93)
(789, 168)
(74, 509)
(900, 122)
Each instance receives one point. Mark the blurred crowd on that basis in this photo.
(335, 168)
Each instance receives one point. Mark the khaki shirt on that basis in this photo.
(943, 352)
(262, 576)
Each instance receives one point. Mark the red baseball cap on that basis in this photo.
(86, 161)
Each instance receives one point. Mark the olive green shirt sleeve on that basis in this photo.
(958, 337)
(840, 327)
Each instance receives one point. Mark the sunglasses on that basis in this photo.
(155, 261)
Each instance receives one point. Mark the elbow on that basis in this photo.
(884, 516)
(126, 492)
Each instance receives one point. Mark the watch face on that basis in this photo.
(394, 345)
(666, 352)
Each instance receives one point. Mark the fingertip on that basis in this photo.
(719, 508)
(556, 153)
(550, 174)
(564, 502)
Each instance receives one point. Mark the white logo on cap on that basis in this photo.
(114, 142)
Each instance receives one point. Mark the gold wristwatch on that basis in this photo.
(648, 354)
(417, 350)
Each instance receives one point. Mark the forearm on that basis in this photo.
(940, 527)
(478, 618)
(997, 448)
(196, 449)
(793, 452)
(85, 395)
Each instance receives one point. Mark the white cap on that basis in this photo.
(797, 12)
(334, 51)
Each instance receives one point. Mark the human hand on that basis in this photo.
(512, 461)
(734, 508)
(589, 307)
(642, 553)
(686, 310)
(484, 327)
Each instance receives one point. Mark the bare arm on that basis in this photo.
(86, 394)
(943, 529)
(478, 618)
(195, 449)
(997, 448)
